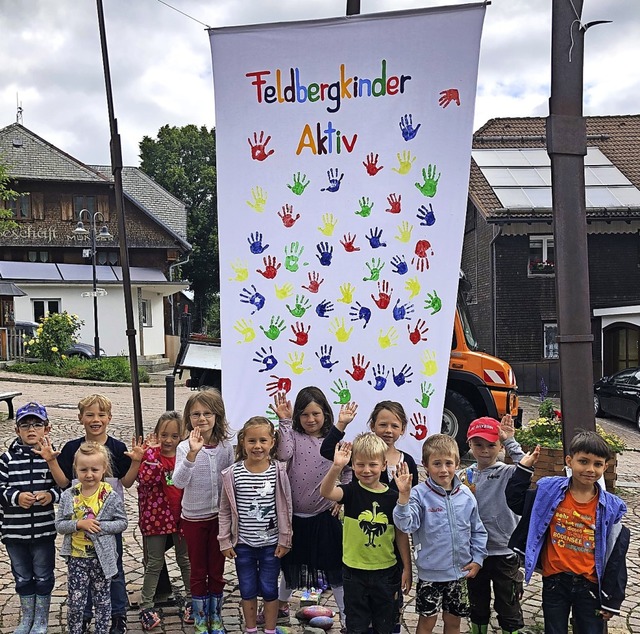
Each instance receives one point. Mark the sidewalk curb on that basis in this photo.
(54, 380)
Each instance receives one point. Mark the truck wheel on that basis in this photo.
(456, 416)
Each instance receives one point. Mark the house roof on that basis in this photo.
(617, 137)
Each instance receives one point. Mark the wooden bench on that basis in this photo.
(8, 398)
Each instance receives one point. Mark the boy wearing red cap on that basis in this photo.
(487, 478)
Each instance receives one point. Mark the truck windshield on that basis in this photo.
(465, 319)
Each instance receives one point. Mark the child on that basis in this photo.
(200, 461)
(372, 576)
(317, 533)
(159, 504)
(255, 520)
(449, 539)
(487, 479)
(572, 528)
(94, 412)
(27, 495)
(90, 515)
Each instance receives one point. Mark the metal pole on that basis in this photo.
(169, 392)
(567, 146)
(96, 336)
(353, 7)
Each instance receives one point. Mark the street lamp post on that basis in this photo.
(93, 236)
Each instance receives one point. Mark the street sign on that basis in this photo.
(99, 292)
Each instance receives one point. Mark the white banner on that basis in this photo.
(343, 151)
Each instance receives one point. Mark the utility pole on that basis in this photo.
(353, 7)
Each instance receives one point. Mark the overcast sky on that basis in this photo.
(161, 64)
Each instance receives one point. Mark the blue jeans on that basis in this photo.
(32, 565)
(258, 570)
(119, 599)
(565, 592)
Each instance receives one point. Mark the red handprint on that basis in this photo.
(384, 295)
(301, 335)
(359, 367)
(419, 422)
(259, 146)
(449, 95)
(371, 164)
(395, 205)
(419, 332)
(314, 282)
(422, 252)
(348, 243)
(278, 385)
(271, 266)
(286, 215)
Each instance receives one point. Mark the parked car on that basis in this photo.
(79, 349)
(619, 395)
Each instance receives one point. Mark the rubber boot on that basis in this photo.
(41, 618)
(27, 609)
(200, 614)
(215, 614)
(476, 628)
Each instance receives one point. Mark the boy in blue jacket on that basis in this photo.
(572, 529)
(449, 540)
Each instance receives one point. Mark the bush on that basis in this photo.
(53, 336)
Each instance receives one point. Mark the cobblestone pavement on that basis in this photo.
(61, 397)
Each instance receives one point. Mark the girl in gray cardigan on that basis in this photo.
(90, 514)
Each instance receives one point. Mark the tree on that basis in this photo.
(183, 161)
(6, 194)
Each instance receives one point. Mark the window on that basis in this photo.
(550, 343)
(38, 256)
(21, 207)
(107, 257)
(542, 259)
(43, 306)
(83, 202)
(145, 312)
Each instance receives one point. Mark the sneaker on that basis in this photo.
(149, 619)
(187, 616)
(86, 625)
(119, 624)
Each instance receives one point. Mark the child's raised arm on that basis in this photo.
(328, 488)
(282, 406)
(346, 414)
(50, 455)
(138, 447)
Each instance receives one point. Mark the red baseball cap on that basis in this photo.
(485, 427)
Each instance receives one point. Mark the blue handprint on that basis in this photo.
(406, 127)
(255, 243)
(380, 375)
(266, 358)
(426, 216)
(404, 376)
(324, 356)
(325, 253)
(324, 308)
(360, 312)
(399, 264)
(402, 311)
(374, 238)
(334, 180)
(254, 298)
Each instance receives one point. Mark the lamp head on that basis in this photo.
(104, 234)
(80, 230)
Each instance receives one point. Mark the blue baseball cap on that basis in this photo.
(32, 409)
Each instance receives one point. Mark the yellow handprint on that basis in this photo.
(389, 339)
(405, 162)
(245, 328)
(404, 232)
(341, 333)
(259, 199)
(413, 286)
(241, 270)
(347, 291)
(284, 291)
(429, 365)
(329, 224)
(295, 361)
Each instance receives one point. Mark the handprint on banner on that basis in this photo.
(365, 207)
(413, 286)
(300, 307)
(374, 237)
(426, 394)
(314, 282)
(449, 95)
(402, 311)
(360, 312)
(371, 164)
(338, 329)
(380, 376)
(266, 358)
(329, 222)
(433, 302)
(404, 376)
(422, 255)
(269, 414)
(276, 327)
(241, 271)
(388, 339)
(406, 127)
(295, 361)
(245, 328)
(292, 254)
(341, 390)
(395, 203)
(334, 180)
(324, 356)
(259, 201)
(255, 243)
(324, 308)
(271, 266)
(384, 295)
(300, 333)
(284, 291)
(429, 185)
(259, 146)
(426, 216)
(399, 265)
(299, 184)
(419, 424)
(404, 232)
(279, 384)
(375, 268)
(347, 290)
(360, 365)
(418, 333)
(287, 217)
(253, 298)
(405, 162)
(348, 242)
(429, 364)
(325, 253)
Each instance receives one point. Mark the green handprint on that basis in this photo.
(405, 162)
(259, 199)
(433, 302)
(341, 390)
(295, 361)
(404, 232)
(299, 184)
(365, 207)
(413, 286)
(427, 393)
(341, 333)
(388, 339)
(292, 255)
(430, 184)
(375, 268)
(272, 416)
(429, 365)
(347, 291)
(301, 306)
(284, 291)
(329, 224)
(276, 326)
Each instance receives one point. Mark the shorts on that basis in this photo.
(258, 570)
(448, 596)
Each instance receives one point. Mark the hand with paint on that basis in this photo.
(399, 265)
(447, 96)
(429, 364)
(295, 361)
(314, 282)
(259, 201)
(245, 329)
(339, 331)
(360, 365)
(284, 291)
(404, 376)
(419, 424)
(395, 203)
(324, 356)
(388, 339)
(371, 164)
(287, 217)
(402, 311)
(335, 180)
(325, 253)
(329, 222)
(301, 306)
(418, 333)
(429, 185)
(404, 232)
(347, 291)
(341, 390)
(413, 286)
(426, 216)
(271, 266)
(360, 312)
(276, 327)
(266, 358)
(348, 242)
(374, 237)
(426, 394)
(252, 297)
(405, 162)
(406, 127)
(365, 207)
(255, 243)
(292, 254)
(324, 308)
(299, 184)
(241, 271)
(300, 333)
(384, 295)
(259, 147)
(380, 376)
(375, 268)
(433, 302)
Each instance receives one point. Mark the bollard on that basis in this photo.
(170, 392)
